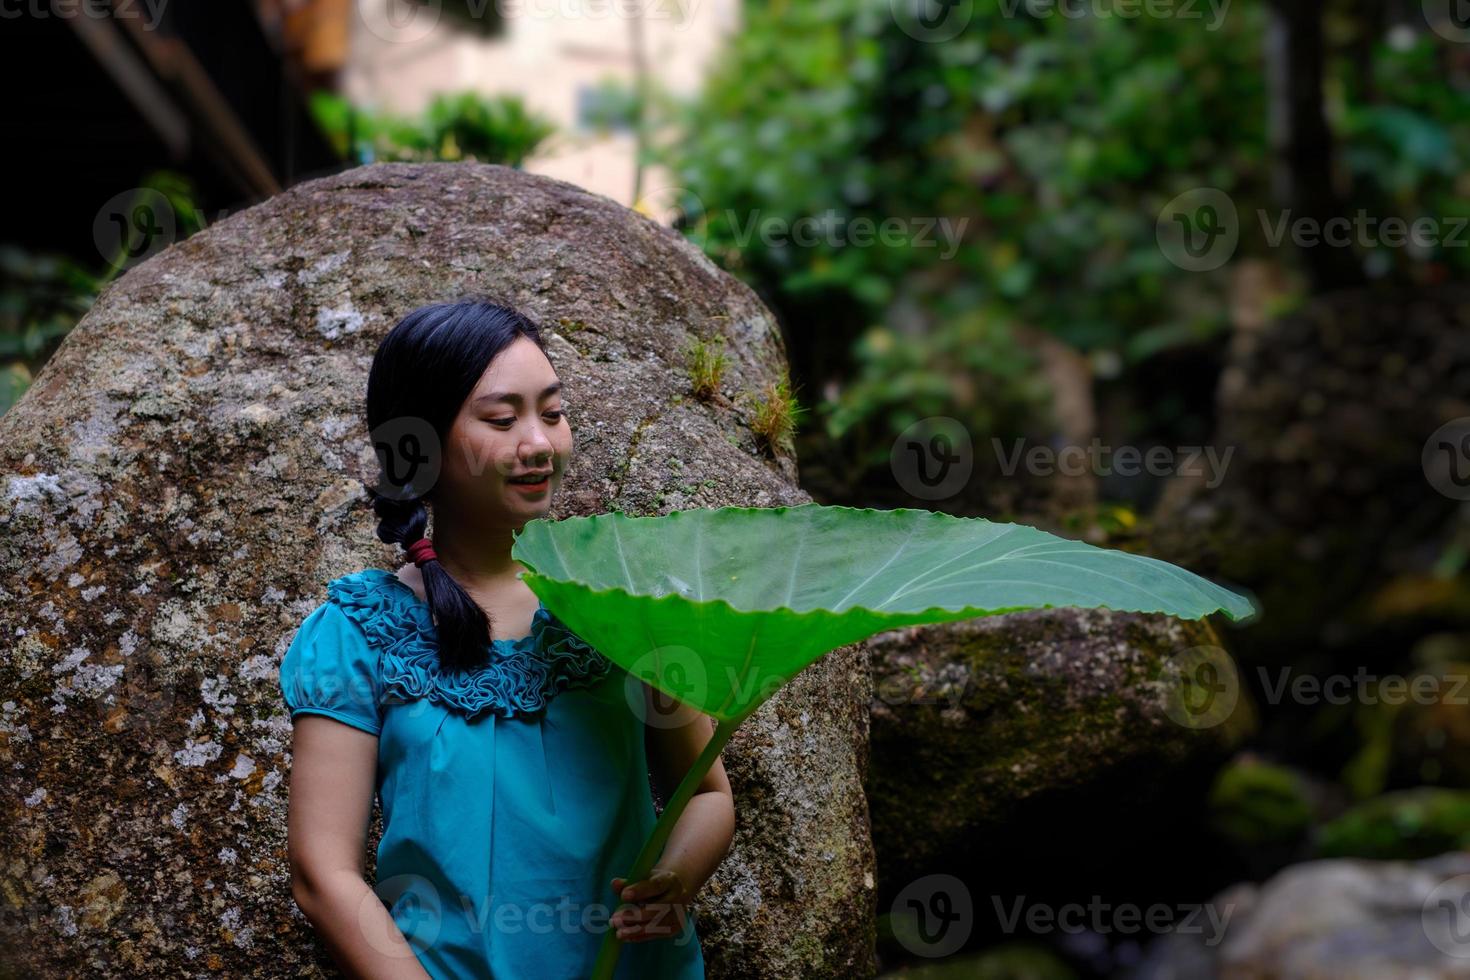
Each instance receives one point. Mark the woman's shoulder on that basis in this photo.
(384, 611)
(332, 666)
(374, 588)
(357, 609)
(352, 603)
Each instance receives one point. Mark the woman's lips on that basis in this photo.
(532, 489)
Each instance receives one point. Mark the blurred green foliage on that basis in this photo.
(1407, 825)
(1054, 143)
(454, 126)
(609, 105)
(41, 298)
(1255, 803)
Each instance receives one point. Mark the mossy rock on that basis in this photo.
(1257, 803)
(1407, 825)
(1047, 725)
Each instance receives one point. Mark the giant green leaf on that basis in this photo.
(719, 608)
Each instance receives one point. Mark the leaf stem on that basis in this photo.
(607, 954)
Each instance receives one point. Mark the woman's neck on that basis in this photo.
(474, 554)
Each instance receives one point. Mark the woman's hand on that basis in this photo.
(661, 907)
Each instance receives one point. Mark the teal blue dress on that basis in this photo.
(511, 795)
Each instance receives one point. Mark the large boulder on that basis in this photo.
(1012, 747)
(1343, 919)
(183, 478)
(1336, 504)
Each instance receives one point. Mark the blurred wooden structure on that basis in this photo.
(213, 90)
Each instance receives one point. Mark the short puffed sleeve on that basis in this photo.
(330, 669)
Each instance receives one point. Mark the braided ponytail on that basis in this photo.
(461, 624)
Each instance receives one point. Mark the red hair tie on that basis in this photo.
(421, 551)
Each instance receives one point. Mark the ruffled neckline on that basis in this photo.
(522, 675)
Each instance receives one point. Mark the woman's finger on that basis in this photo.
(660, 918)
(647, 912)
(645, 890)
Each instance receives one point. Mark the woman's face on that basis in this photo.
(511, 425)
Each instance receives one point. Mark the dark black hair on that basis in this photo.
(423, 371)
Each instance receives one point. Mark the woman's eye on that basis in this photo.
(555, 415)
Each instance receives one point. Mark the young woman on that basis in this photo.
(508, 754)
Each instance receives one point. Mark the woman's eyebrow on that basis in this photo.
(515, 399)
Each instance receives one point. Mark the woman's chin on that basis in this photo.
(523, 501)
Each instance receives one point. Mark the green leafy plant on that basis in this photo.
(773, 413)
(610, 105)
(455, 126)
(1257, 803)
(706, 363)
(42, 297)
(718, 608)
(1403, 826)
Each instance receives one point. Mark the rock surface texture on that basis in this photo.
(1035, 730)
(183, 479)
(1332, 920)
(1338, 498)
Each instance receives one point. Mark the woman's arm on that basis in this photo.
(675, 736)
(333, 773)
